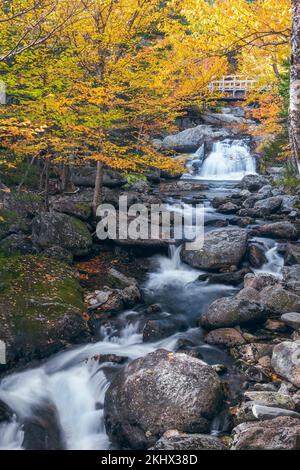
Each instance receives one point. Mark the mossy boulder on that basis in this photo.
(41, 307)
(11, 222)
(56, 229)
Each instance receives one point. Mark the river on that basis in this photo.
(72, 384)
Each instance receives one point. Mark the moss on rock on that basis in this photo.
(41, 306)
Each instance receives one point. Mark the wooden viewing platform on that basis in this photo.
(232, 84)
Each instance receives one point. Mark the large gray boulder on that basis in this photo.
(228, 312)
(86, 175)
(159, 392)
(222, 249)
(279, 300)
(253, 182)
(191, 139)
(276, 434)
(286, 361)
(217, 119)
(267, 206)
(57, 229)
(278, 230)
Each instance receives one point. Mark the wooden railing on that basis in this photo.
(232, 84)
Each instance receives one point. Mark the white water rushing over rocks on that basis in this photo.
(72, 384)
(229, 160)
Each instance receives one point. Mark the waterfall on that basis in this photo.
(229, 160)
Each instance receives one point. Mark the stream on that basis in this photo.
(72, 384)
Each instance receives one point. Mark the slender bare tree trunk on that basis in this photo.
(97, 200)
(294, 122)
(47, 170)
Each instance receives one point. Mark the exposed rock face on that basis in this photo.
(229, 312)
(41, 308)
(286, 361)
(85, 176)
(191, 139)
(267, 206)
(222, 249)
(53, 228)
(256, 255)
(276, 434)
(174, 440)
(253, 182)
(225, 337)
(259, 281)
(162, 328)
(292, 319)
(280, 300)
(278, 230)
(81, 210)
(222, 119)
(159, 392)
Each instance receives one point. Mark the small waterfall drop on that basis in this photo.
(229, 160)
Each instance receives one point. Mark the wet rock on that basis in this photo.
(113, 358)
(42, 430)
(286, 361)
(6, 413)
(276, 434)
(174, 440)
(292, 254)
(279, 300)
(292, 319)
(155, 330)
(256, 255)
(228, 312)
(224, 337)
(259, 281)
(277, 230)
(221, 250)
(253, 182)
(233, 279)
(158, 392)
(267, 206)
(228, 208)
(56, 229)
(274, 399)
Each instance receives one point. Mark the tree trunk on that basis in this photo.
(47, 170)
(98, 187)
(294, 122)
